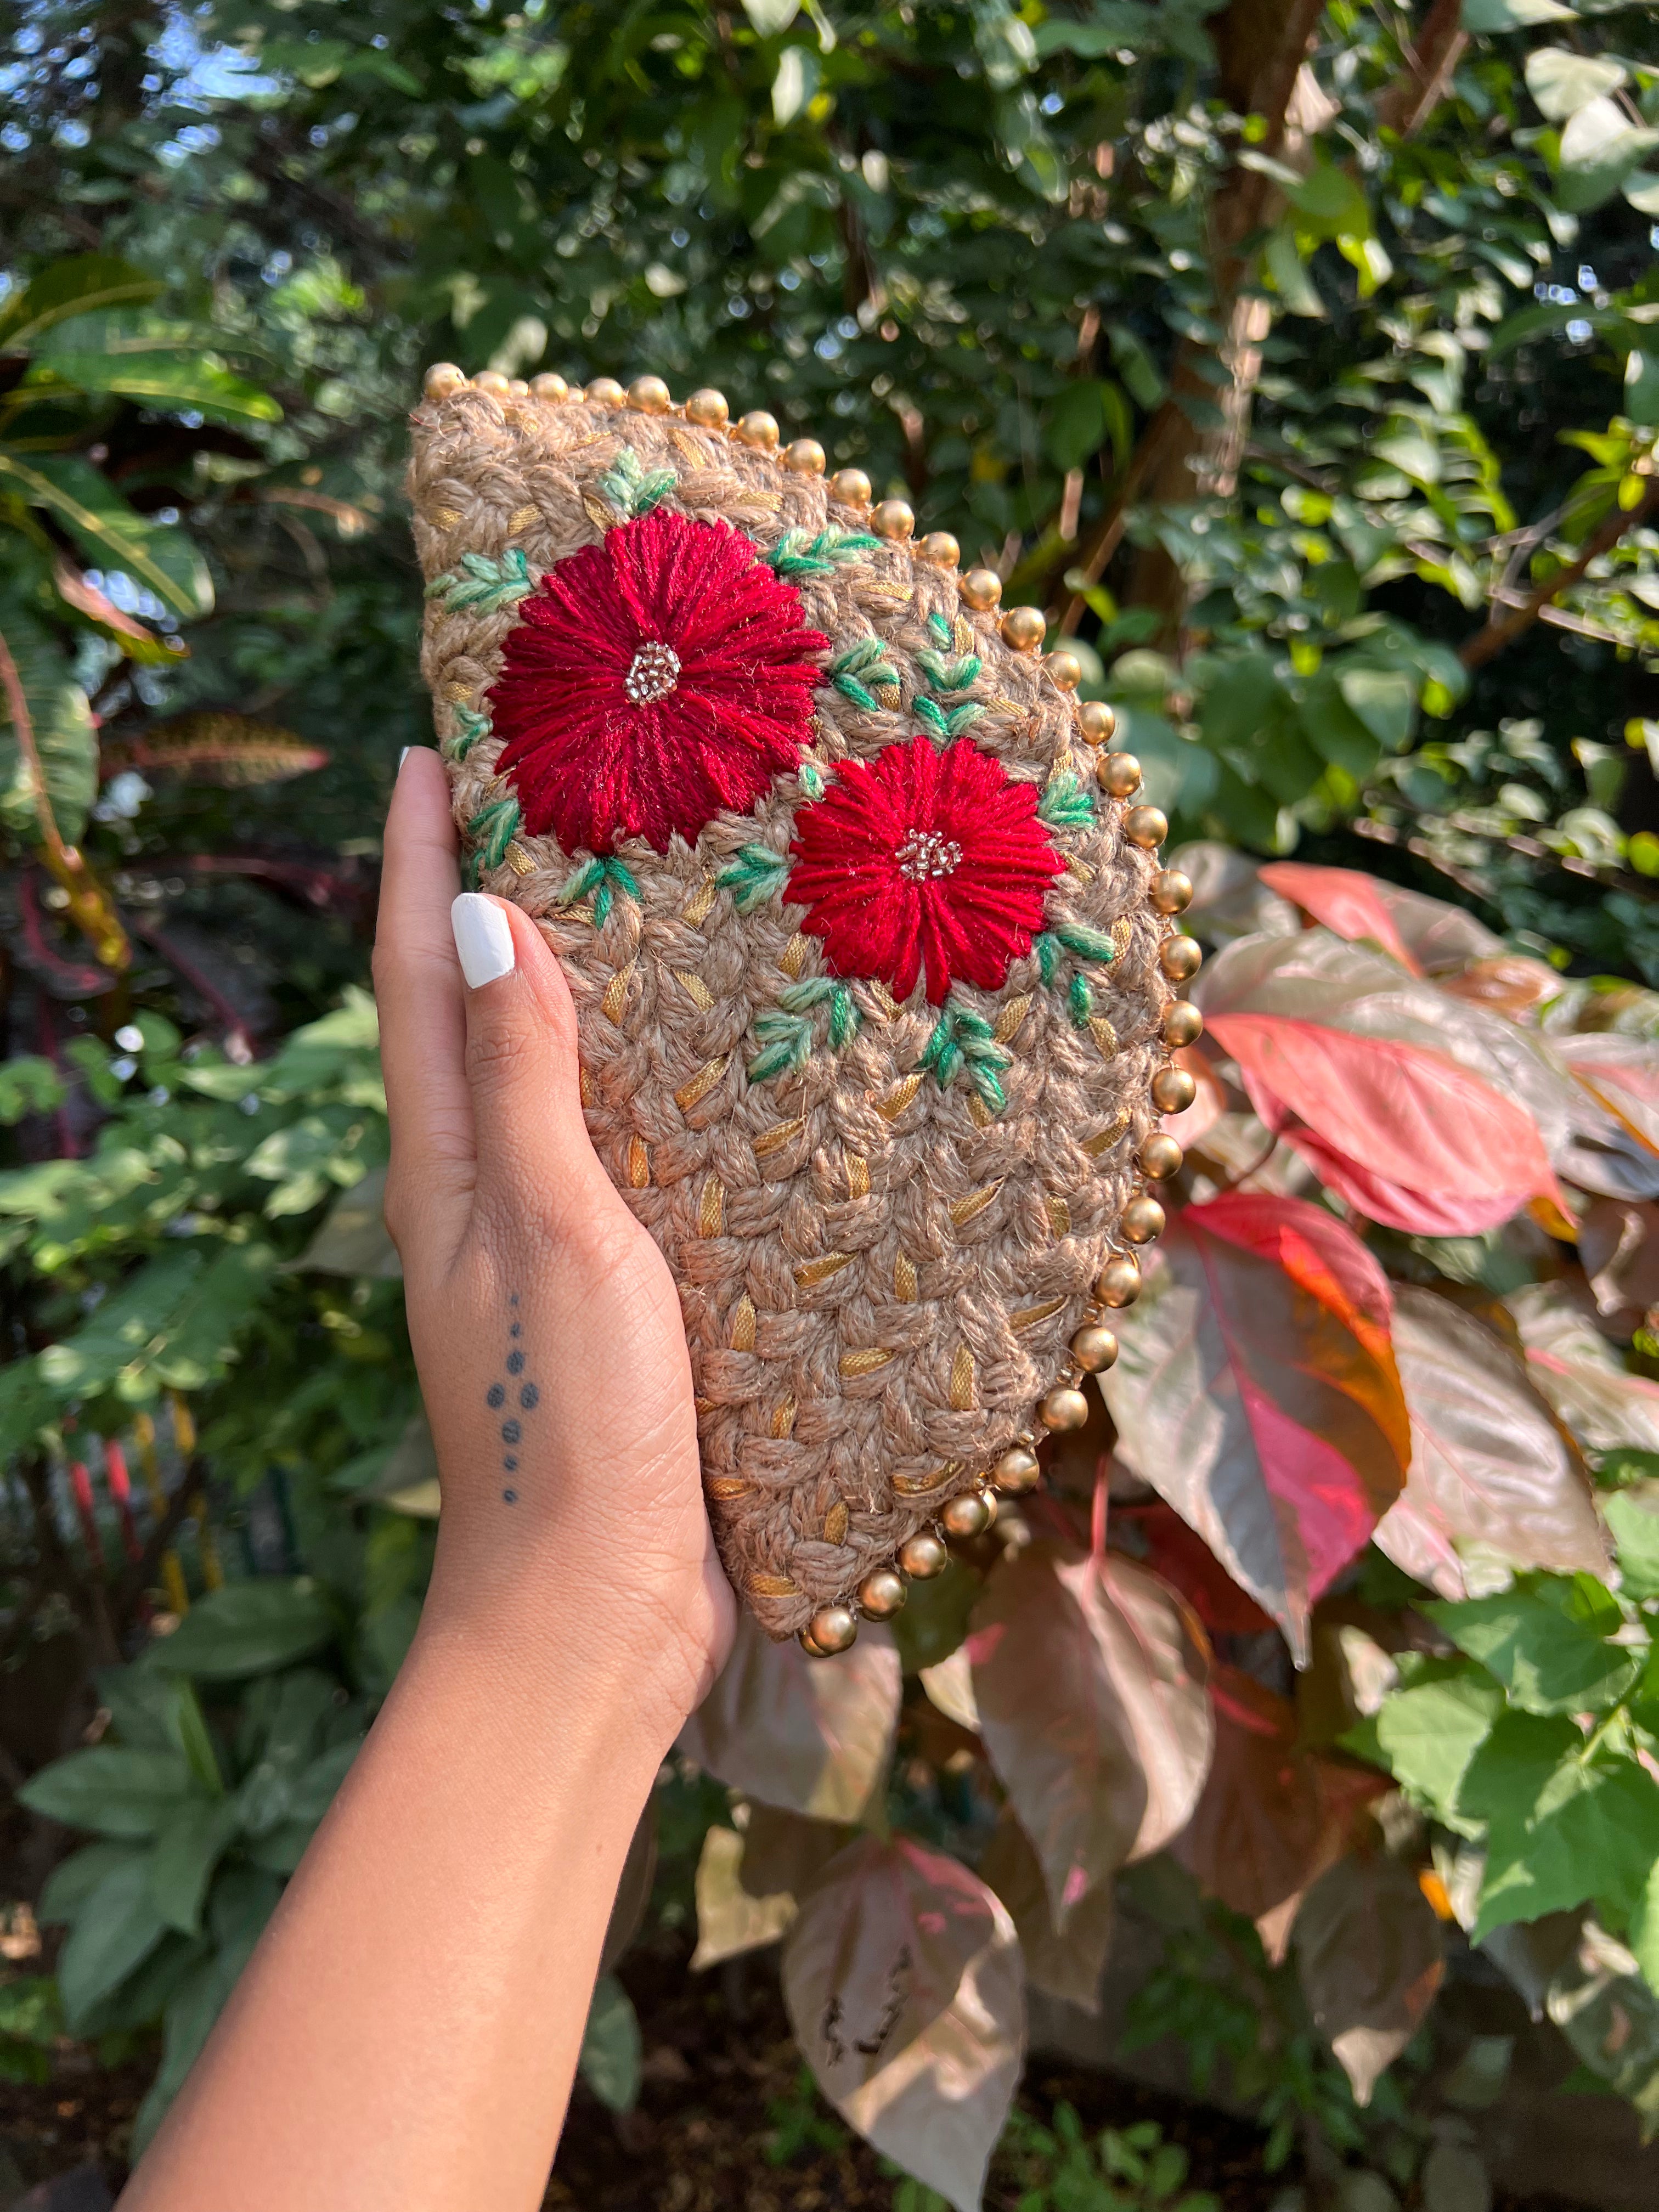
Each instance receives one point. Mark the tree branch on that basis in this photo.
(1498, 632)
(1410, 99)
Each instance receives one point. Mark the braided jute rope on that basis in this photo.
(879, 1271)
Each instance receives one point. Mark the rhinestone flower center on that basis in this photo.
(653, 674)
(926, 854)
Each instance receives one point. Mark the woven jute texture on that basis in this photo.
(878, 1271)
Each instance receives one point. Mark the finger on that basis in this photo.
(521, 1057)
(417, 987)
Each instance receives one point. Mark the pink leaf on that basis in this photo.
(1344, 900)
(906, 1992)
(1407, 1136)
(1256, 1392)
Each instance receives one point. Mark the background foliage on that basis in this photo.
(1303, 364)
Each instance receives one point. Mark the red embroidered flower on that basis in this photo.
(654, 679)
(922, 856)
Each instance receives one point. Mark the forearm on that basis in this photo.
(406, 2033)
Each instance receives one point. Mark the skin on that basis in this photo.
(406, 2033)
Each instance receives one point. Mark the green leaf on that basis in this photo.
(1493, 16)
(113, 534)
(32, 2010)
(27, 1085)
(609, 2059)
(756, 874)
(110, 1790)
(1599, 147)
(1548, 1643)
(73, 1879)
(1635, 1533)
(116, 1930)
(1641, 401)
(1644, 1929)
(1562, 82)
(64, 737)
(78, 286)
(248, 1628)
(186, 1850)
(1294, 286)
(167, 365)
(1564, 1825)
(1429, 1731)
(1386, 702)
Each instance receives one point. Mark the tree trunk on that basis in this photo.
(1260, 49)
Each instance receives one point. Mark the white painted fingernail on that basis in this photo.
(484, 939)
(403, 756)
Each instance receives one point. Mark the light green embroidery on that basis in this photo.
(864, 672)
(633, 490)
(786, 1032)
(965, 1039)
(483, 584)
(756, 874)
(1064, 805)
(608, 879)
(491, 830)
(796, 554)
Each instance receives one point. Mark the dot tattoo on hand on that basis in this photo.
(512, 1428)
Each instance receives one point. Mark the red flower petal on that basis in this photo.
(592, 764)
(881, 915)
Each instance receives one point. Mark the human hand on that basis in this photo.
(545, 1323)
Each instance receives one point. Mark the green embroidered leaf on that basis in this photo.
(962, 717)
(963, 1040)
(471, 726)
(845, 1019)
(868, 658)
(630, 489)
(798, 555)
(1079, 1002)
(811, 780)
(481, 582)
(1047, 948)
(756, 875)
(1064, 805)
(954, 674)
(926, 711)
(492, 829)
(607, 879)
(1087, 943)
(787, 1040)
(939, 630)
(863, 671)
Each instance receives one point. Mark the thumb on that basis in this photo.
(521, 1066)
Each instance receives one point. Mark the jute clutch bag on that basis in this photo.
(871, 954)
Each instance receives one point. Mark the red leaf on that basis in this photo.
(1272, 1816)
(1407, 1136)
(1344, 900)
(1261, 1398)
(1316, 1250)
(802, 1733)
(1089, 1683)
(1367, 1946)
(1491, 1466)
(905, 1990)
(1621, 1074)
(1187, 1564)
(1429, 936)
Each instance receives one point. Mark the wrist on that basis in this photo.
(622, 1667)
